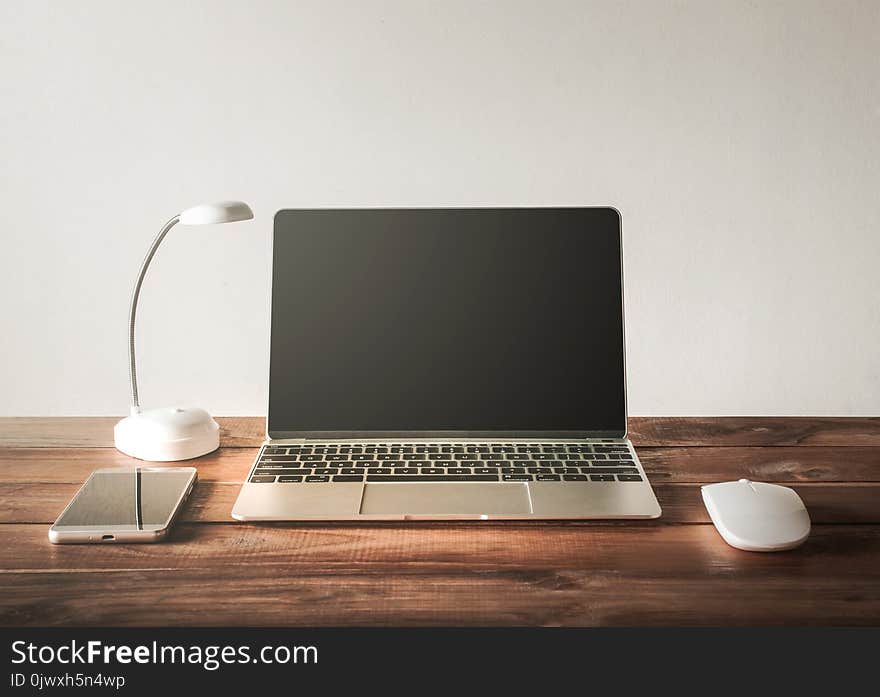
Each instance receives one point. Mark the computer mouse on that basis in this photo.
(757, 517)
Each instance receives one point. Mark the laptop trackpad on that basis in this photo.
(437, 498)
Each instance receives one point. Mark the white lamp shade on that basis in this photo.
(214, 213)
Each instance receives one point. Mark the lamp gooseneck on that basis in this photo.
(132, 312)
(173, 433)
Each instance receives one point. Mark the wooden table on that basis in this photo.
(675, 571)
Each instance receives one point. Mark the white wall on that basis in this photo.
(741, 141)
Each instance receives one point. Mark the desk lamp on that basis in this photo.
(171, 433)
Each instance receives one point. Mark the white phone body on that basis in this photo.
(124, 505)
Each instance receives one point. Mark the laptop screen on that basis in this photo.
(466, 322)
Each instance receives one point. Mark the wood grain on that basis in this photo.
(755, 430)
(249, 431)
(211, 502)
(440, 575)
(75, 464)
(97, 431)
(706, 464)
(679, 464)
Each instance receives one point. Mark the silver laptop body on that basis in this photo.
(367, 421)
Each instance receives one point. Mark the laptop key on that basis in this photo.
(458, 470)
(432, 478)
(318, 478)
(262, 480)
(574, 477)
(326, 471)
(629, 478)
(548, 477)
(290, 479)
(485, 470)
(602, 477)
(350, 470)
(513, 470)
(610, 470)
(379, 470)
(434, 470)
(311, 458)
(544, 456)
(517, 477)
(348, 478)
(336, 458)
(407, 470)
(566, 470)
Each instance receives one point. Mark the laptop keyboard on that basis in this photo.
(445, 462)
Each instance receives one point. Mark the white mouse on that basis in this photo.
(757, 517)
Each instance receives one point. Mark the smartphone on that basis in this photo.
(124, 504)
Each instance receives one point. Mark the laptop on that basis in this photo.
(434, 364)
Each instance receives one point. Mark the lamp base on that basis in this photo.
(167, 435)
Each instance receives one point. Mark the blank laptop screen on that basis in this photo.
(460, 320)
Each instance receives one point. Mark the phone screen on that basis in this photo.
(130, 499)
